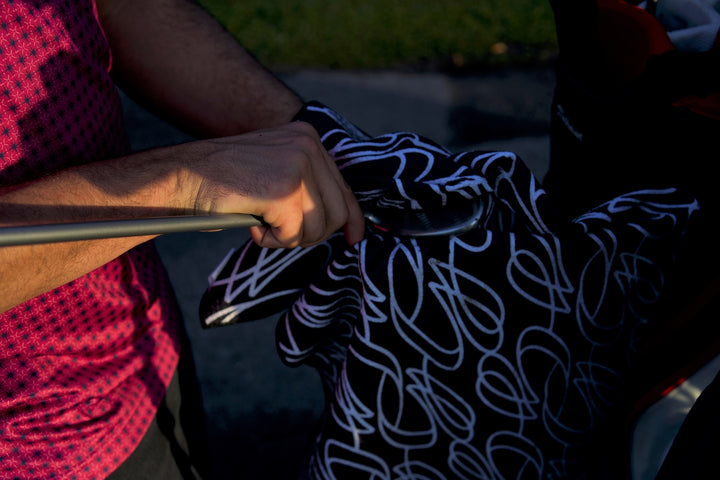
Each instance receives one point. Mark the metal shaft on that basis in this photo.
(68, 232)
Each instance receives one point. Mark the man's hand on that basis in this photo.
(285, 176)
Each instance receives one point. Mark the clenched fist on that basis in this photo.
(283, 175)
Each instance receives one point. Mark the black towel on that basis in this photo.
(494, 353)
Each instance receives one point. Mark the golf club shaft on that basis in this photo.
(68, 232)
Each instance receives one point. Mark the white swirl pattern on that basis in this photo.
(486, 355)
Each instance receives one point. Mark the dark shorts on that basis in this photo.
(175, 446)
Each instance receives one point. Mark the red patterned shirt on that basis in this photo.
(82, 367)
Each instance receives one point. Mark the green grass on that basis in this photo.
(371, 34)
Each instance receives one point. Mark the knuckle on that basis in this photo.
(304, 127)
(306, 136)
(308, 145)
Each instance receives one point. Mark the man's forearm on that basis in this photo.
(282, 174)
(197, 75)
(135, 187)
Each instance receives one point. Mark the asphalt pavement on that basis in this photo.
(261, 414)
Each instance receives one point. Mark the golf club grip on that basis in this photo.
(68, 232)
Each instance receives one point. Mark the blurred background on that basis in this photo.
(456, 35)
(469, 74)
